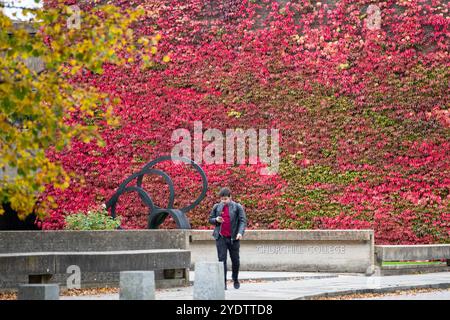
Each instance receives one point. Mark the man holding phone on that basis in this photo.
(230, 223)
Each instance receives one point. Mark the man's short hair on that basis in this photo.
(225, 192)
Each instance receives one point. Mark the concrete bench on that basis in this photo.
(412, 252)
(44, 256)
(389, 253)
(41, 266)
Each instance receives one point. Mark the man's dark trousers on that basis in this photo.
(223, 244)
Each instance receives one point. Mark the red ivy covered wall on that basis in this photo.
(363, 114)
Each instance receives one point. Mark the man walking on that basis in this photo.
(230, 223)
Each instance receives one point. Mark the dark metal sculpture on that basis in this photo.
(157, 215)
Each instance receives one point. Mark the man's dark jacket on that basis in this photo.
(238, 220)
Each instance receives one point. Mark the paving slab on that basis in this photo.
(274, 276)
(308, 288)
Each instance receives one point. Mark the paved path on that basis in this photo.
(275, 276)
(306, 288)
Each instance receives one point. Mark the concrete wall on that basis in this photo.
(294, 250)
(262, 250)
(115, 240)
(89, 241)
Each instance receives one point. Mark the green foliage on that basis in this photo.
(311, 201)
(315, 174)
(92, 220)
(379, 120)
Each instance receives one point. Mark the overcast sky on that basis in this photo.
(10, 10)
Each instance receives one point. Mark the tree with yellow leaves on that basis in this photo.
(38, 102)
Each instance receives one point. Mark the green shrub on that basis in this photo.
(92, 220)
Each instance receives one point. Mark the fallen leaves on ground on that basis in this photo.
(8, 296)
(379, 295)
(89, 291)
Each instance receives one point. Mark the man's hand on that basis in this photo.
(219, 219)
(238, 236)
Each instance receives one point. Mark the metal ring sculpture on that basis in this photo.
(157, 215)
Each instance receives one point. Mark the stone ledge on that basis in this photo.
(413, 269)
(412, 252)
(109, 261)
(292, 235)
(99, 240)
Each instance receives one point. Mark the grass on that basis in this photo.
(397, 263)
